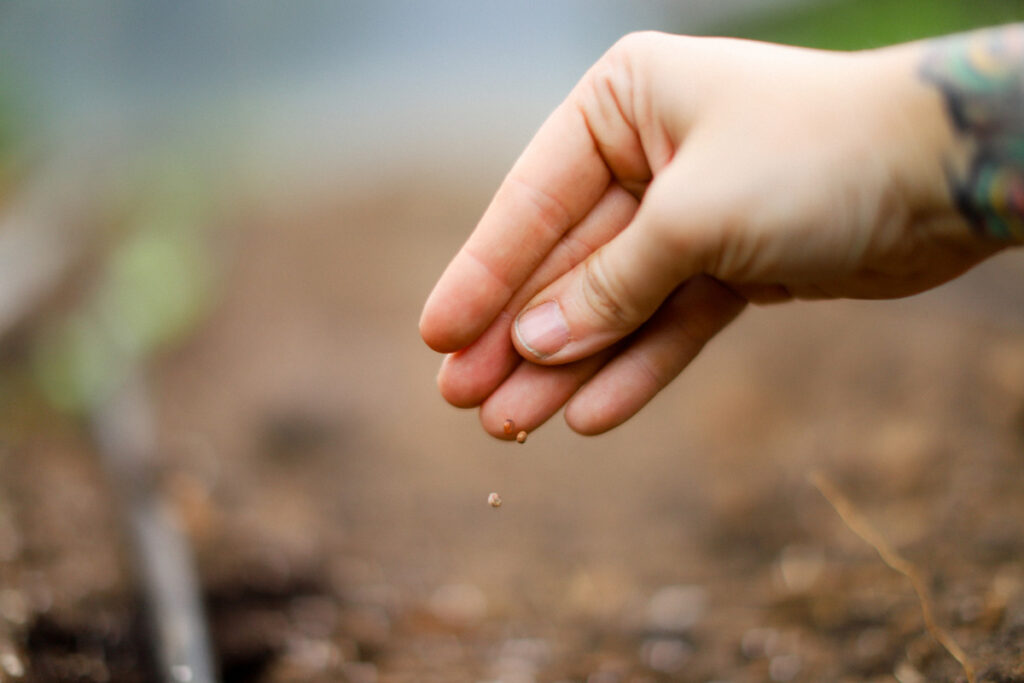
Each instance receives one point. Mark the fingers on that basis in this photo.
(624, 282)
(598, 133)
(661, 350)
(556, 181)
(606, 389)
(468, 376)
(533, 393)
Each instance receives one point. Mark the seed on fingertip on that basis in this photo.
(521, 437)
(494, 500)
(508, 426)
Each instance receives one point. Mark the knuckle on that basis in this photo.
(635, 42)
(623, 55)
(606, 295)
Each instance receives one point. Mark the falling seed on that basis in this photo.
(508, 426)
(494, 500)
(521, 437)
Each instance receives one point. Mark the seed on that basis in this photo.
(508, 426)
(494, 500)
(521, 437)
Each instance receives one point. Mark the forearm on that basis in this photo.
(980, 76)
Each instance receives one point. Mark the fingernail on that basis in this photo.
(542, 329)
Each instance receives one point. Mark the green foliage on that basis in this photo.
(75, 365)
(858, 24)
(154, 288)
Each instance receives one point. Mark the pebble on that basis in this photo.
(521, 437)
(494, 500)
(676, 609)
(520, 659)
(508, 426)
(460, 604)
(906, 673)
(11, 665)
(667, 655)
(800, 566)
(312, 655)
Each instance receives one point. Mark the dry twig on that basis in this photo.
(860, 525)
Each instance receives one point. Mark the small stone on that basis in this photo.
(800, 567)
(459, 604)
(521, 437)
(906, 673)
(494, 500)
(508, 426)
(667, 655)
(312, 655)
(11, 665)
(676, 609)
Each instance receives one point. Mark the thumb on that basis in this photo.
(616, 289)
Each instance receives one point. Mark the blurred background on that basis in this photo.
(218, 222)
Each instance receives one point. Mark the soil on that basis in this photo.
(338, 508)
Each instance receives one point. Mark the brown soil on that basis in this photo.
(339, 508)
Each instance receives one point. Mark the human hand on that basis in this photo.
(682, 178)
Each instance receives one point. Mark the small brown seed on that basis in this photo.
(521, 437)
(508, 426)
(494, 500)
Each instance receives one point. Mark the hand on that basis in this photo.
(682, 178)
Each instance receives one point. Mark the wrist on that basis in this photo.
(978, 81)
(923, 155)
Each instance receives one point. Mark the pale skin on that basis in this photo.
(682, 179)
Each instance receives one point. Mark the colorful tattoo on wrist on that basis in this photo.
(981, 77)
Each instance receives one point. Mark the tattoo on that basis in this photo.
(981, 77)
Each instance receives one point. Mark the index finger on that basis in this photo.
(555, 182)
